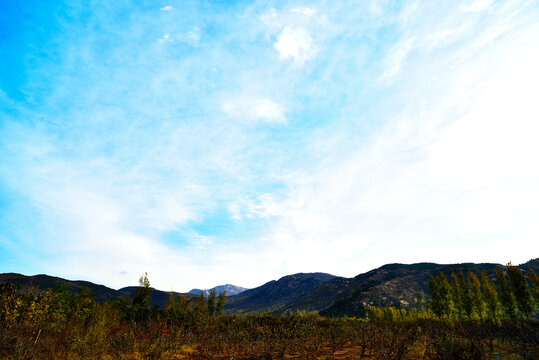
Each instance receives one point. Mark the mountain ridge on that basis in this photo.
(229, 288)
(395, 284)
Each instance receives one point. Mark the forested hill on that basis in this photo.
(399, 285)
(44, 282)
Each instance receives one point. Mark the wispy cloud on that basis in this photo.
(329, 137)
(254, 109)
(476, 5)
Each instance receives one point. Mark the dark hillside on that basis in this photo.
(44, 282)
(275, 295)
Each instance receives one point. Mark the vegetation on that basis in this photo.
(468, 318)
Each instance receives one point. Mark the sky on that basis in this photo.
(214, 142)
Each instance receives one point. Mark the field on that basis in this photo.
(58, 324)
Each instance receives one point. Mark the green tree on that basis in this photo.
(475, 293)
(199, 304)
(490, 295)
(220, 302)
(534, 279)
(440, 295)
(457, 295)
(519, 285)
(507, 298)
(141, 299)
(467, 299)
(211, 302)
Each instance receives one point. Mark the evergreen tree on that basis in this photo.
(507, 298)
(220, 303)
(534, 279)
(519, 286)
(211, 302)
(456, 295)
(475, 294)
(490, 295)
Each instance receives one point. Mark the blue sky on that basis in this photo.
(212, 142)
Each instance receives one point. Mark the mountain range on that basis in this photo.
(399, 285)
(230, 290)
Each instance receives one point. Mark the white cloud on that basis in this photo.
(167, 8)
(476, 5)
(304, 11)
(295, 43)
(395, 58)
(166, 38)
(251, 109)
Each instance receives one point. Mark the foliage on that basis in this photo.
(60, 324)
(519, 286)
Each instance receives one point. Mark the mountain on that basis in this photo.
(398, 285)
(157, 297)
(275, 295)
(44, 282)
(230, 290)
(102, 293)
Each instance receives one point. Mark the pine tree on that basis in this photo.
(490, 295)
(475, 293)
(519, 286)
(507, 298)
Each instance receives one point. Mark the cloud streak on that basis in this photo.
(325, 138)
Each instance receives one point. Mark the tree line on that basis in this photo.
(467, 297)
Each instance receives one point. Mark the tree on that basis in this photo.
(199, 304)
(467, 300)
(220, 303)
(141, 299)
(440, 294)
(534, 279)
(507, 298)
(457, 295)
(490, 295)
(475, 294)
(519, 286)
(211, 302)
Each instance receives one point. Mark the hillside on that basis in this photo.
(398, 285)
(275, 295)
(44, 282)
